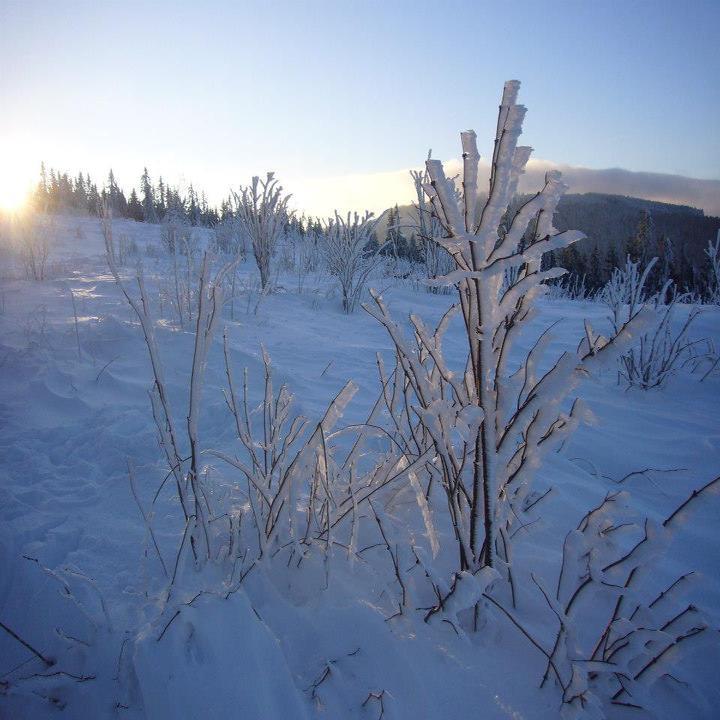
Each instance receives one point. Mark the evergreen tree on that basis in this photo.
(135, 208)
(43, 178)
(53, 191)
(549, 260)
(174, 205)
(161, 201)
(573, 261)
(65, 192)
(93, 197)
(666, 257)
(193, 208)
(595, 275)
(682, 271)
(80, 193)
(116, 197)
(641, 246)
(415, 249)
(208, 216)
(42, 198)
(612, 260)
(226, 211)
(149, 212)
(395, 241)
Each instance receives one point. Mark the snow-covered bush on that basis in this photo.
(262, 209)
(437, 260)
(33, 233)
(307, 260)
(184, 470)
(489, 427)
(229, 239)
(662, 350)
(288, 476)
(610, 658)
(570, 287)
(713, 258)
(348, 256)
(303, 483)
(121, 246)
(183, 254)
(175, 232)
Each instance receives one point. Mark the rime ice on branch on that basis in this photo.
(491, 429)
(348, 258)
(262, 209)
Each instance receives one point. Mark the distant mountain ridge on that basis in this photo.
(609, 220)
(632, 202)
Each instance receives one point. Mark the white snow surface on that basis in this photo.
(285, 646)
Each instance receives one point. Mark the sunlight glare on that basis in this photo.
(16, 175)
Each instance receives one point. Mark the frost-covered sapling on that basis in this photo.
(179, 241)
(304, 484)
(712, 252)
(188, 483)
(426, 225)
(663, 349)
(490, 427)
(262, 208)
(349, 257)
(33, 244)
(229, 238)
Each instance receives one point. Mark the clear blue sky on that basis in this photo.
(217, 91)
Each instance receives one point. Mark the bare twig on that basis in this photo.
(379, 698)
(46, 660)
(693, 495)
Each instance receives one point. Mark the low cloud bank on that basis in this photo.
(676, 189)
(377, 191)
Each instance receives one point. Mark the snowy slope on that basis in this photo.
(284, 646)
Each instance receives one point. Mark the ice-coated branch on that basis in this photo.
(712, 252)
(490, 430)
(193, 500)
(348, 254)
(162, 411)
(262, 208)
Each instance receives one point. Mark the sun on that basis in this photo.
(17, 174)
(13, 196)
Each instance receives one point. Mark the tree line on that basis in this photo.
(58, 191)
(617, 227)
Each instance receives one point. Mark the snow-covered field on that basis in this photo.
(81, 583)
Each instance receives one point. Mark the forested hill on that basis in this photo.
(616, 226)
(612, 220)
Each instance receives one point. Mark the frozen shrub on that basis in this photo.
(607, 659)
(182, 245)
(183, 469)
(713, 258)
(33, 243)
(262, 210)
(489, 427)
(348, 254)
(175, 232)
(427, 226)
(662, 350)
(229, 238)
(570, 287)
